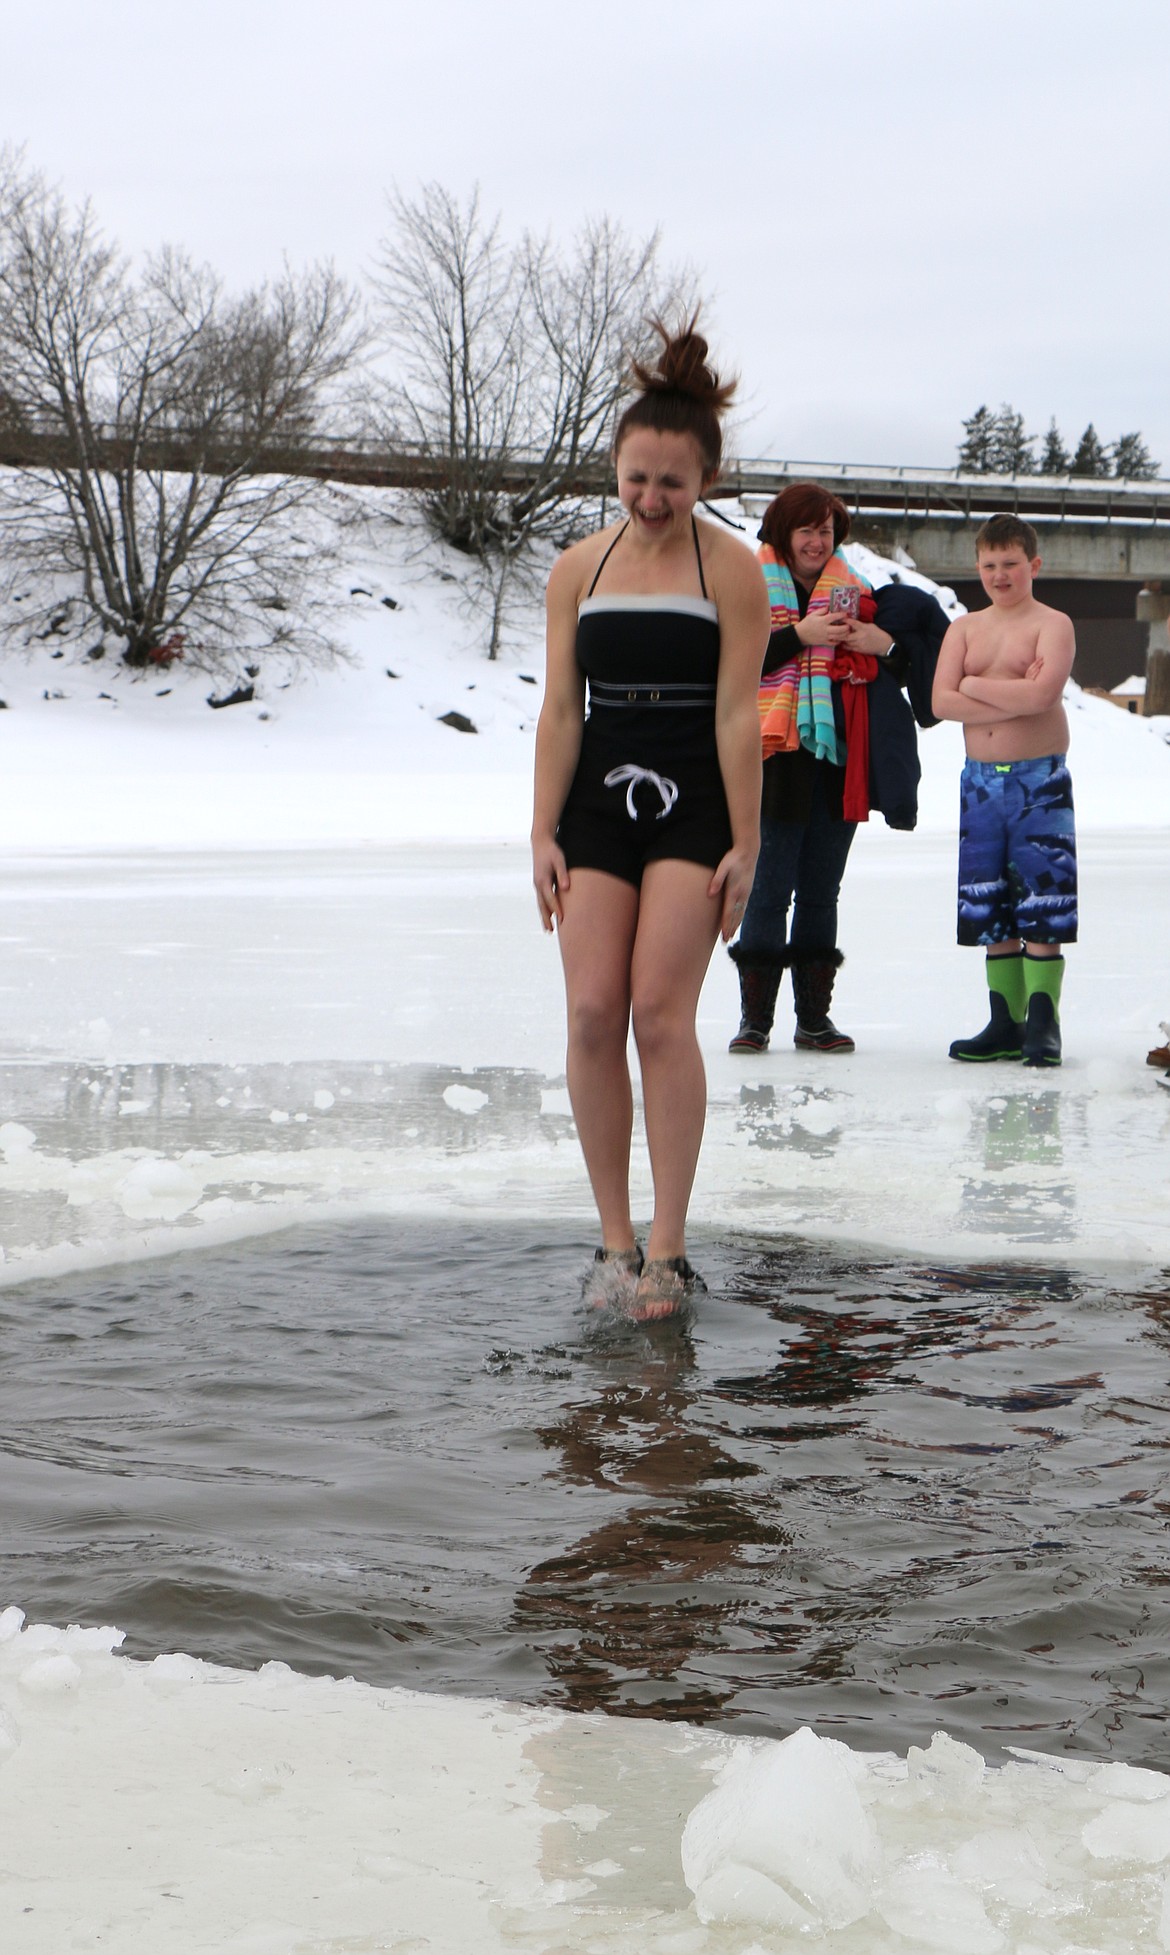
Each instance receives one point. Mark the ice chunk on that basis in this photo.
(1128, 1830)
(585, 1818)
(947, 1767)
(11, 1623)
(177, 1669)
(816, 1118)
(740, 1895)
(16, 1140)
(464, 1099)
(1003, 1863)
(47, 1675)
(41, 1636)
(1129, 1782)
(925, 1904)
(160, 1190)
(9, 1735)
(783, 1840)
(103, 1638)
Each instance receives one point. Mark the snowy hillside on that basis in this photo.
(93, 754)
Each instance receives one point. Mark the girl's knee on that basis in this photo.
(660, 1025)
(598, 1021)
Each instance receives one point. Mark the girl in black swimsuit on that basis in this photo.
(646, 821)
(647, 784)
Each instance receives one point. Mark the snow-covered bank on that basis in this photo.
(177, 1804)
(95, 757)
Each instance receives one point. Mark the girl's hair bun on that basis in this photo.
(680, 394)
(681, 367)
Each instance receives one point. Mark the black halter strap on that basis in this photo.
(617, 539)
(699, 556)
(605, 559)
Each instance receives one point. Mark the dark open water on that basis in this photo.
(868, 1494)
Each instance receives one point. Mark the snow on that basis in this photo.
(282, 960)
(323, 1814)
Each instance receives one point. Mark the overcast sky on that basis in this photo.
(900, 209)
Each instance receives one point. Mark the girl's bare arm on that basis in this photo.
(745, 623)
(558, 737)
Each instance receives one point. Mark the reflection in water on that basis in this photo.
(626, 1616)
(865, 1527)
(85, 1148)
(799, 1117)
(1019, 1132)
(867, 1494)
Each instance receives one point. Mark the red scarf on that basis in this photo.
(855, 671)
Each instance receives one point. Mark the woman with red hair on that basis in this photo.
(814, 719)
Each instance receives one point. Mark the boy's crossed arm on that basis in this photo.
(984, 700)
(947, 702)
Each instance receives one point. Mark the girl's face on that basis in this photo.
(660, 479)
(809, 549)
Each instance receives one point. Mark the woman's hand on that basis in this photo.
(550, 878)
(824, 628)
(868, 638)
(733, 879)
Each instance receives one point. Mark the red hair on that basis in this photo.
(802, 505)
(680, 394)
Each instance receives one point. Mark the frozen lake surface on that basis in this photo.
(198, 1046)
(294, 1220)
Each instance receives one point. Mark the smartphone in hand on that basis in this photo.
(845, 601)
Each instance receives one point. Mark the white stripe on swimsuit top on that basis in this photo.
(686, 607)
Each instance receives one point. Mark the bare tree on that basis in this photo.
(153, 420)
(454, 315)
(510, 364)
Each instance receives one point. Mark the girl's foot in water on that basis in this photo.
(613, 1276)
(663, 1287)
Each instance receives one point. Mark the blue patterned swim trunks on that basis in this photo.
(1017, 852)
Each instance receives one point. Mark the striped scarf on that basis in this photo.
(796, 702)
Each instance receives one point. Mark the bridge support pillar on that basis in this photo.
(1153, 608)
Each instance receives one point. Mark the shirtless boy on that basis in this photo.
(1002, 672)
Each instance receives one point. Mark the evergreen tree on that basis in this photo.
(1091, 458)
(1054, 456)
(1011, 449)
(1131, 459)
(975, 450)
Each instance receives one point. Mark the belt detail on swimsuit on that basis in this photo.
(666, 788)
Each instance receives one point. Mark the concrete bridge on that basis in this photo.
(1102, 530)
(1105, 543)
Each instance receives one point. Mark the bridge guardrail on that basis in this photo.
(362, 459)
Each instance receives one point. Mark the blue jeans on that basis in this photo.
(805, 860)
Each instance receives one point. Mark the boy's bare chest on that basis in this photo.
(1000, 650)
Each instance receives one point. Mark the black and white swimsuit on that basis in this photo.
(648, 784)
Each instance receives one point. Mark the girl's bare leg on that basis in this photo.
(677, 926)
(597, 941)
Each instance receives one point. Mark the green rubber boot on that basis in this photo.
(1043, 977)
(1003, 1035)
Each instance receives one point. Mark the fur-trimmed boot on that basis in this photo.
(759, 981)
(813, 975)
(1003, 1035)
(1043, 977)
